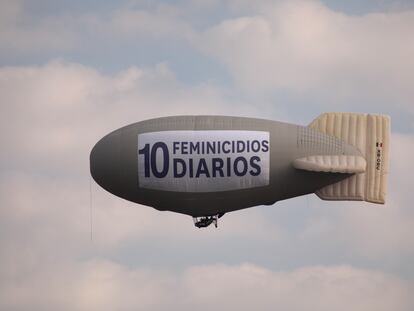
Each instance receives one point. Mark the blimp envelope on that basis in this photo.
(211, 165)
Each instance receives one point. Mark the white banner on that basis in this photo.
(203, 161)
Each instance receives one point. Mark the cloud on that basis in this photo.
(383, 231)
(304, 47)
(61, 109)
(106, 285)
(53, 106)
(49, 120)
(25, 33)
(300, 52)
(51, 117)
(20, 32)
(52, 114)
(367, 230)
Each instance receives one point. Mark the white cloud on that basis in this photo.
(384, 230)
(51, 117)
(306, 48)
(20, 32)
(56, 113)
(109, 286)
(62, 109)
(369, 230)
(301, 48)
(24, 33)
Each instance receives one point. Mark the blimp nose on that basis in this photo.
(104, 162)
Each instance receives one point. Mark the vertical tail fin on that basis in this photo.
(369, 133)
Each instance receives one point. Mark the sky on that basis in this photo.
(73, 71)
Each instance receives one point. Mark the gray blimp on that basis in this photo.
(206, 166)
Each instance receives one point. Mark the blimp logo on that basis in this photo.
(203, 161)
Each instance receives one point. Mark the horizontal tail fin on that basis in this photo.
(371, 135)
(348, 164)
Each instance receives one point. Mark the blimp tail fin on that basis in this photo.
(371, 135)
(347, 164)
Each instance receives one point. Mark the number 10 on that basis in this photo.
(150, 159)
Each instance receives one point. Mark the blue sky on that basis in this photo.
(70, 72)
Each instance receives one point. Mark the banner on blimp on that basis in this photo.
(203, 161)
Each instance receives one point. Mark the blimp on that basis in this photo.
(207, 166)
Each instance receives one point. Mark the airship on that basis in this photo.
(207, 166)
